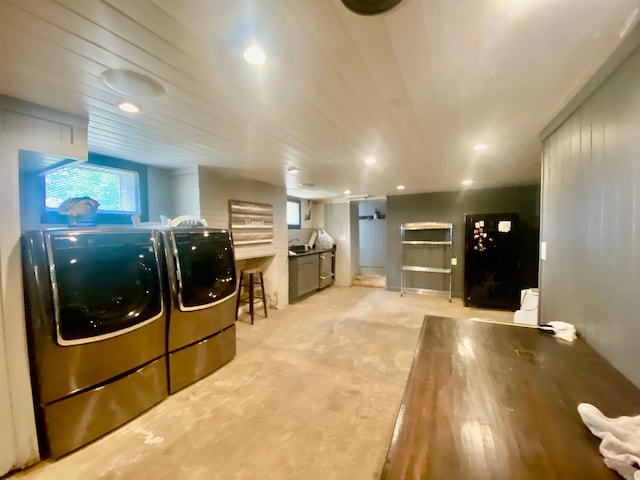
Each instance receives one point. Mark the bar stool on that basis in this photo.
(252, 297)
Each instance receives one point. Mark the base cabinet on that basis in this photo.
(326, 269)
(310, 272)
(305, 275)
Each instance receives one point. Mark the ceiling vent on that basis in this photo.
(370, 7)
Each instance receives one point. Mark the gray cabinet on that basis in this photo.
(304, 275)
(326, 268)
(310, 272)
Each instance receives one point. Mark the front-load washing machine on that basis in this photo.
(202, 292)
(96, 326)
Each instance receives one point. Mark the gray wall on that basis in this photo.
(451, 207)
(591, 220)
(160, 193)
(373, 234)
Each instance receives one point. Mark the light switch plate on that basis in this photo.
(454, 261)
(543, 250)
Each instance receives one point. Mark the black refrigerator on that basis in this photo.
(491, 261)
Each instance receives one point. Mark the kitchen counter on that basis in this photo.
(310, 252)
(310, 271)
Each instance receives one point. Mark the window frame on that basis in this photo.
(292, 226)
(53, 217)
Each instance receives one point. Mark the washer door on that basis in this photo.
(104, 284)
(205, 268)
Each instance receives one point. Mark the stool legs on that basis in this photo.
(239, 292)
(252, 297)
(264, 303)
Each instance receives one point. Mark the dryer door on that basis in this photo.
(105, 284)
(205, 267)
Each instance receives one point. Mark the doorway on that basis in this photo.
(373, 243)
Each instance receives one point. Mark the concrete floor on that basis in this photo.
(313, 393)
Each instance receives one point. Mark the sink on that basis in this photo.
(298, 248)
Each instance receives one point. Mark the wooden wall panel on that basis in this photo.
(591, 220)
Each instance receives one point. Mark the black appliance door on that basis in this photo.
(205, 268)
(104, 284)
(491, 263)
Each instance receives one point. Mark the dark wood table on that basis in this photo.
(494, 401)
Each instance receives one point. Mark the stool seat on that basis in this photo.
(255, 278)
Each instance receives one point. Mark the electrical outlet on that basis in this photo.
(454, 261)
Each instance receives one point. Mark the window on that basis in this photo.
(115, 189)
(120, 186)
(293, 213)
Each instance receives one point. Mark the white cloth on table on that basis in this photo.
(620, 436)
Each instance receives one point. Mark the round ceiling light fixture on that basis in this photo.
(131, 84)
(370, 7)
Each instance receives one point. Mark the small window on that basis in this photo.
(293, 213)
(117, 190)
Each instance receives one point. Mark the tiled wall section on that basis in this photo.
(216, 189)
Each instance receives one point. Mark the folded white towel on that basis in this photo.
(620, 436)
(563, 330)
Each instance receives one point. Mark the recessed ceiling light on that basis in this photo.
(128, 107)
(370, 161)
(400, 187)
(254, 55)
(480, 146)
(293, 170)
(468, 181)
(347, 192)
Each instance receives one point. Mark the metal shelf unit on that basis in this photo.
(424, 243)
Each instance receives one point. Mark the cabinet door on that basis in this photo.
(326, 269)
(325, 263)
(308, 274)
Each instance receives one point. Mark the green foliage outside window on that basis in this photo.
(115, 189)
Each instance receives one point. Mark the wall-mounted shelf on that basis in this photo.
(426, 249)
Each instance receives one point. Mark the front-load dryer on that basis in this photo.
(202, 290)
(96, 325)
